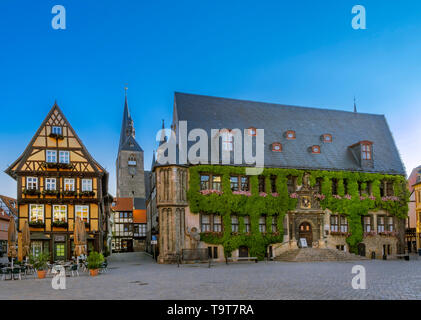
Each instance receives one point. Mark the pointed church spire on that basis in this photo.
(153, 159)
(127, 127)
(163, 135)
(355, 106)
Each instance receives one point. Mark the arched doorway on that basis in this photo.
(306, 232)
(243, 252)
(361, 249)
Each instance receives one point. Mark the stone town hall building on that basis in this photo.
(333, 178)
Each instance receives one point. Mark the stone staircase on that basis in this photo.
(313, 254)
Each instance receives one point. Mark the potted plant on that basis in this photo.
(95, 260)
(40, 264)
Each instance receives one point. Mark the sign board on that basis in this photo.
(59, 238)
(154, 242)
(303, 242)
(154, 238)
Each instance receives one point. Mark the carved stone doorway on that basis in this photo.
(305, 231)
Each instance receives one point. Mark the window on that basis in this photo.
(334, 223)
(227, 140)
(205, 225)
(36, 248)
(82, 212)
(273, 183)
(247, 224)
(50, 184)
(277, 147)
(334, 186)
(262, 224)
(141, 230)
(234, 183)
(239, 183)
(390, 225)
(367, 224)
(291, 184)
(51, 156)
(217, 223)
(315, 149)
(216, 183)
(132, 160)
(234, 223)
(327, 138)
(204, 182)
(274, 225)
(36, 213)
(69, 184)
(31, 183)
(380, 223)
(60, 213)
(64, 157)
(57, 130)
(290, 135)
(344, 224)
(366, 151)
(252, 131)
(262, 183)
(86, 184)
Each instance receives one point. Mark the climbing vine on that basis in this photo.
(255, 204)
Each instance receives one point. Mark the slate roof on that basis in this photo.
(346, 128)
(128, 142)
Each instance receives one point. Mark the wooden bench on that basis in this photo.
(232, 259)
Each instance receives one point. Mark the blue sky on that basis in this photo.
(292, 52)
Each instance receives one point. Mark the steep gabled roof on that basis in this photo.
(309, 124)
(17, 165)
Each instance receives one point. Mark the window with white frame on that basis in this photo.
(36, 248)
(36, 213)
(57, 130)
(60, 213)
(50, 184)
(82, 212)
(51, 156)
(64, 157)
(86, 184)
(31, 183)
(69, 184)
(227, 140)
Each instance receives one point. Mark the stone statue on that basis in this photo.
(306, 181)
(194, 237)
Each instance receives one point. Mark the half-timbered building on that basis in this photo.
(57, 182)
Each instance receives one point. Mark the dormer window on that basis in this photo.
(132, 160)
(327, 138)
(290, 135)
(315, 149)
(252, 131)
(277, 147)
(366, 151)
(57, 130)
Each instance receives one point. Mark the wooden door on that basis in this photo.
(243, 251)
(306, 232)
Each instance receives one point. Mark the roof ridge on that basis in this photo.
(275, 104)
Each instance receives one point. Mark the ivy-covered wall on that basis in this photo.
(254, 204)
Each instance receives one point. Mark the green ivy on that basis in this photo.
(228, 204)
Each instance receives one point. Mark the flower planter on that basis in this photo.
(41, 274)
(93, 272)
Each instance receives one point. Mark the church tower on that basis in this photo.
(129, 164)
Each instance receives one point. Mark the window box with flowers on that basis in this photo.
(50, 193)
(338, 233)
(87, 194)
(68, 193)
(60, 224)
(388, 233)
(211, 191)
(370, 234)
(31, 192)
(37, 224)
(56, 136)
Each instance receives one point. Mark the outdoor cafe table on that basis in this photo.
(11, 271)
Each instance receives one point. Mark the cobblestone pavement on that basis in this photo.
(137, 276)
